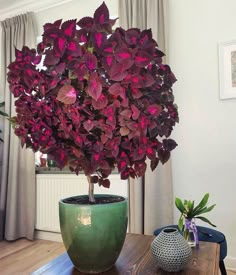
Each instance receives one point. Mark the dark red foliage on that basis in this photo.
(104, 99)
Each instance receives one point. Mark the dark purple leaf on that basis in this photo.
(140, 168)
(154, 163)
(73, 48)
(118, 73)
(142, 59)
(154, 109)
(69, 27)
(135, 112)
(132, 36)
(91, 61)
(88, 125)
(60, 45)
(98, 39)
(100, 103)
(117, 90)
(50, 58)
(169, 144)
(101, 15)
(86, 23)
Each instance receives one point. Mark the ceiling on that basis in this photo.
(10, 8)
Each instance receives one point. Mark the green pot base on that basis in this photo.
(93, 234)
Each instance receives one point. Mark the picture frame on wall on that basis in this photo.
(227, 69)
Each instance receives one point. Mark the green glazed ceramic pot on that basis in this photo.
(93, 234)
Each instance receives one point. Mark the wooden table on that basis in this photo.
(136, 258)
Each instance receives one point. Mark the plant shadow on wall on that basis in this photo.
(103, 100)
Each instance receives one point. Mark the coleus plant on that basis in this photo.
(103, 100)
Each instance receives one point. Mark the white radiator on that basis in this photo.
(50, 188)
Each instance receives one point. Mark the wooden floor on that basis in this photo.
(22, 257)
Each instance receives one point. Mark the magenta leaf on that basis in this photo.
(86, 23)
(73, 48)
(98, 39)
(132, 36)
(60, 45)
(142, 59)
(151, 154)
(108, 48)
(154, 109)
(148, 80)
(123, 53)
(124, 175)
(50, 58)
(82, 36)
(117, 90)
(91, 61)
(88, 125)
(94, 88)
(100, 103)
(108, 62)
(140, 168)
(67, 94)
(136, 93)
(145, 38)
(56, 24)
(68, 28)
(118, 73)
(135, 112)
(59, 68)
(101, 15)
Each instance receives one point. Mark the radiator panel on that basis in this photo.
(50, 188)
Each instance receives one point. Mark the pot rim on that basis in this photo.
(61, 201)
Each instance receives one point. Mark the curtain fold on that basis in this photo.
(151, 198)
(17, 185)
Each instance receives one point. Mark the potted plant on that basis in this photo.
(103, 100)
(190, 212)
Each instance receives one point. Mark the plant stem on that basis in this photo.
(91, 190)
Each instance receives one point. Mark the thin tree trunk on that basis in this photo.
(91, 190)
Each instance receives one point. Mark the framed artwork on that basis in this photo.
(227, 69)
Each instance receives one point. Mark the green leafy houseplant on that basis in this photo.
(189, 211)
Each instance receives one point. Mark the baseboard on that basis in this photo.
(50, 236)
(230, 263)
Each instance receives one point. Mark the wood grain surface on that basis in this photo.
(136, 258)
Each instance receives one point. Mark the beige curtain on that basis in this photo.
(151, 198)
(17, 185)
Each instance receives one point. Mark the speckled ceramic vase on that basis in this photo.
(93, 235)
(171, 250)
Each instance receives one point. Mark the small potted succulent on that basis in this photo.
(190, 212)
(103, 100)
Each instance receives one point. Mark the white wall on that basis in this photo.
(204, 161)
